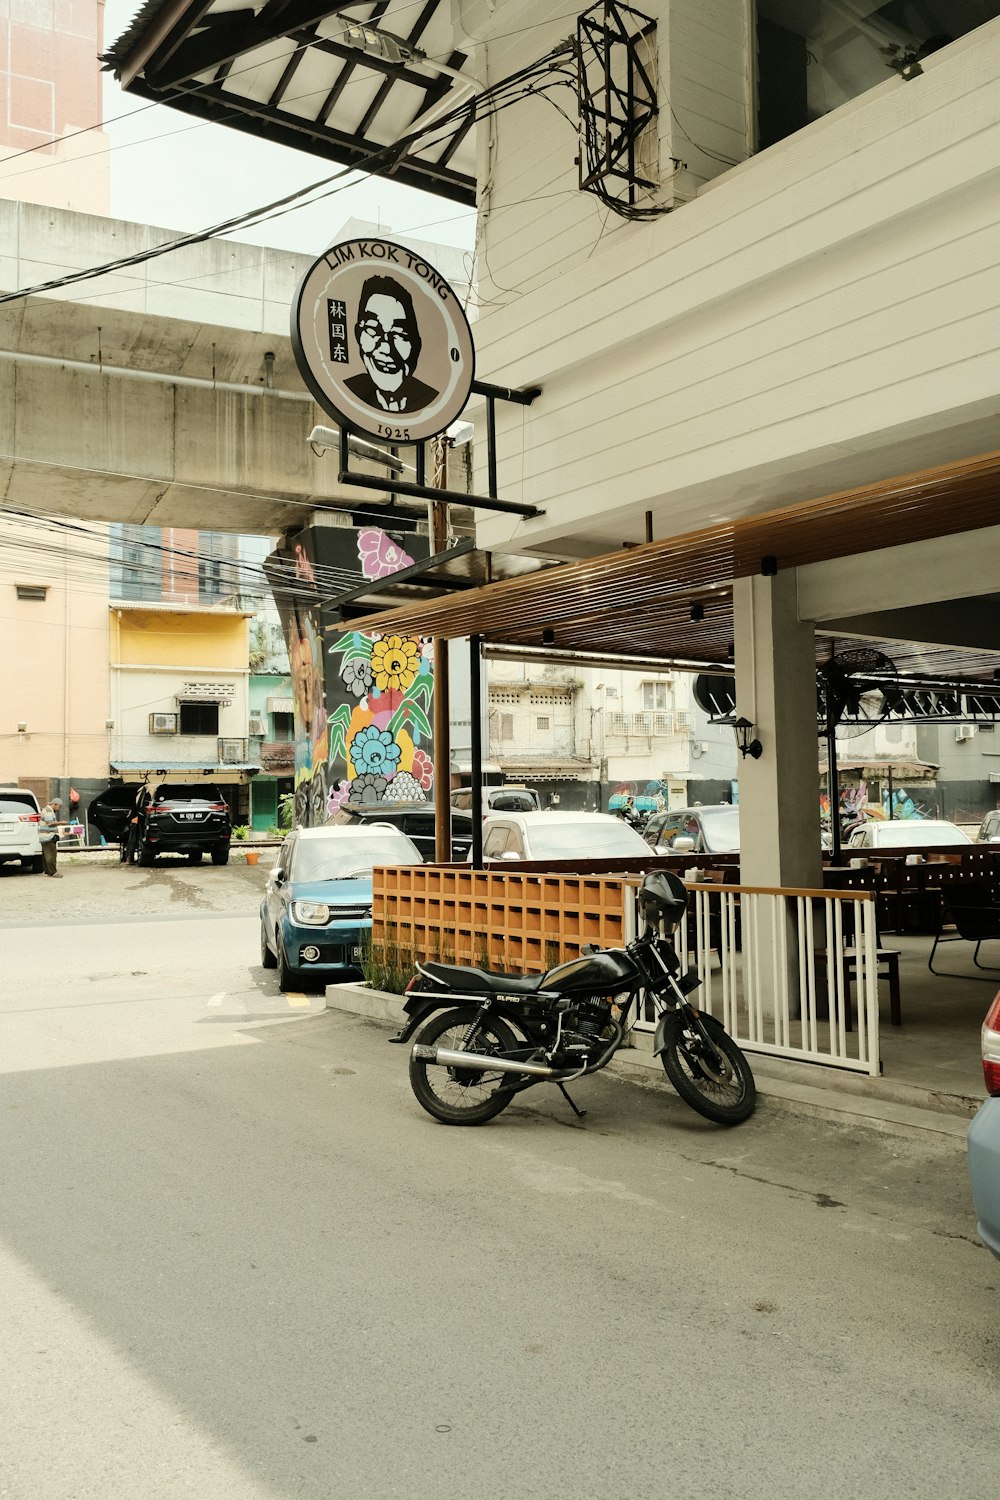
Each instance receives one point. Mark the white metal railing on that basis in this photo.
(778, 968)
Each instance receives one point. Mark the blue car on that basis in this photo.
(984, 1138)
(317, 906)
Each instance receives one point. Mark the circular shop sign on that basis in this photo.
(382, 341)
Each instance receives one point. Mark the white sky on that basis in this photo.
(167, 169)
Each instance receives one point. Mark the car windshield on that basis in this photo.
(722, 830)
(613, 840)
(342, 856)
(513, 802)
(907, 832)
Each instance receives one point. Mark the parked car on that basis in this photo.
(906, 833)
(989, 828)
(19, 821)
(415, 819)
(560, 835)
(712, 829)
(317, 906)
(176, 817)
(984, 1138)
(508, 798)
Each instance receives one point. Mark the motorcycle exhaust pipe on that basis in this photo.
(445, 1057)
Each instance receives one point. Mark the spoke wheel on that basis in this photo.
(714, 1079)
(462, 1096)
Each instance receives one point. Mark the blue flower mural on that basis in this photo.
(374, 750)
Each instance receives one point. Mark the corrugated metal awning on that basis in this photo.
(280, 706)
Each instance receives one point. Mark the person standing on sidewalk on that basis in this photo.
(48, 835)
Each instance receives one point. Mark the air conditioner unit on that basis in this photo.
(965, 732)
(257, 725)
(163, 723)
(231, 752)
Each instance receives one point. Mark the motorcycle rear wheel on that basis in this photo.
(717, 1083)
(461, 1096)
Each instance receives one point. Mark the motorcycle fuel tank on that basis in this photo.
(592, 974)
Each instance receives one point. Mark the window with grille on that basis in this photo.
(543, 722)
(506, 726)
(655, 695)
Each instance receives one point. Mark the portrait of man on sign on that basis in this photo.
(389, 341)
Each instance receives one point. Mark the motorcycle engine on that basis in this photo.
(586, 1023)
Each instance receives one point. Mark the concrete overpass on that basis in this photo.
(164, 394)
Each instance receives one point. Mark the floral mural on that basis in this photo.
(364, 704)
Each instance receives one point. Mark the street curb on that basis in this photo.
(841, 1108)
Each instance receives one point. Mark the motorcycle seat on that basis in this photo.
(485, 981)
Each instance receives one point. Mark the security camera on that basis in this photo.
(22, 727)
(109, 723)
(461, 433)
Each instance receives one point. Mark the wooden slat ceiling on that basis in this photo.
(297, 72)
(638, 601)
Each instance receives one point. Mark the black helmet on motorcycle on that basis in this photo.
(662, 899)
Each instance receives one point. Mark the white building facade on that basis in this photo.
(815, 309)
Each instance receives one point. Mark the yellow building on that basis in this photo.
(179, 693)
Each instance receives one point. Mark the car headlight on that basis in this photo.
(310, 913)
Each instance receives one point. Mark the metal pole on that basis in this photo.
(476, 715)
(833, 787)
(442, 714)
(890, 792)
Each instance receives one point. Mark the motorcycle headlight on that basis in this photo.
(310, 913)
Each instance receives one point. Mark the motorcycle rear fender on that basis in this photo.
(421, 1004)
(417, 1008)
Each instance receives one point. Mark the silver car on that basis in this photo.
(984, 1138)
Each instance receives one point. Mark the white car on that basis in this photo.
(906, 833)
(19, 823)
(560, 835)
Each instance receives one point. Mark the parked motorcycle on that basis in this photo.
(490, 1036)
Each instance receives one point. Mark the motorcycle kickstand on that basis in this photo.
(580, 1113)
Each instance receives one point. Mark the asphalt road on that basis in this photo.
(237, 1260)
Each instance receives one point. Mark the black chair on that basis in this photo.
(967, 906)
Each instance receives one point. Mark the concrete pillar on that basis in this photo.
(776, 690)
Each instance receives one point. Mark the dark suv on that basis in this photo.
(176, 817)
(416, 819)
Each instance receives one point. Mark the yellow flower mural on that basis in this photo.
(395, 663)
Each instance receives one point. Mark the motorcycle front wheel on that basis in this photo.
(715, 1080)
(462, 1096)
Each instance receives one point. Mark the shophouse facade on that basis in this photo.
(587, 737)
(55, 700)
(180, 696)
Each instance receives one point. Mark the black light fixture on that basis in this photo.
(745, 741)
(548, 636)
(697, 612)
